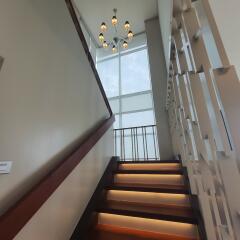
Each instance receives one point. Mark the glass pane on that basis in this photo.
(114, 103)
(109, 75)
(116, 124)
(137, 102)
(135, 72)
(138, 119)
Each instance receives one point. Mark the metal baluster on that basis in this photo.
(115, 142)
(137, 142)
(121, 141)
(135, 150)
(146, 141)
(143, 144)
(132, 144)
(154, 142)
(124, 145)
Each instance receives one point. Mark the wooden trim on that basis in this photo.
(18, 215)
(87, 219)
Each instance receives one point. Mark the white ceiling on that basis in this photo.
(94, 12)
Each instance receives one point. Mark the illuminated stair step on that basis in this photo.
(151, 179)
(150, 198)
(150, 166)
(149, 225)
(107, 232)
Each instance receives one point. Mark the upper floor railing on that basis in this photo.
(136, 143)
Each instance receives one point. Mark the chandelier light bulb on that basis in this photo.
(130, 35)
(127, 25)
(125, 44)
(105, 45)
(114, 49)
(114, 20)
(103, 27)
(101, 37)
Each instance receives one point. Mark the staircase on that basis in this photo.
(146, 200)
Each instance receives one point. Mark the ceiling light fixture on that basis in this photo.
(103, 27)
(114, 49)
(127, 25)
(130, 35)
(105, 45)
(101, 37)
(117, 40)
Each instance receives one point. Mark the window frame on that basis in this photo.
(120, 96)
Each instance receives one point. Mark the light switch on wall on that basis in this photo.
(5, 167)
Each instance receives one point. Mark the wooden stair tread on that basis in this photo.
(107, 232)
(161, 209)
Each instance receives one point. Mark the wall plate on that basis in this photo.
(5, 167)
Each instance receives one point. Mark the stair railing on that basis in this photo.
(136, 143)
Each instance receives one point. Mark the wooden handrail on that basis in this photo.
(21, 212)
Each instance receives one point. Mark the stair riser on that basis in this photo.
(150, 166)
(151, 179)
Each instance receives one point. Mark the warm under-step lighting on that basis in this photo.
(149, 197)
(169, 179)
(147, 224)
(149, 166)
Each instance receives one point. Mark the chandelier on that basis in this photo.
(118, 41)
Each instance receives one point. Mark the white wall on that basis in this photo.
(59, 215)
(159, 78)
(49, 97)
(165, 10)
(226, 14)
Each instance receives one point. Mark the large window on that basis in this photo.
(109, 73)
(126, 80)
(135, 72)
